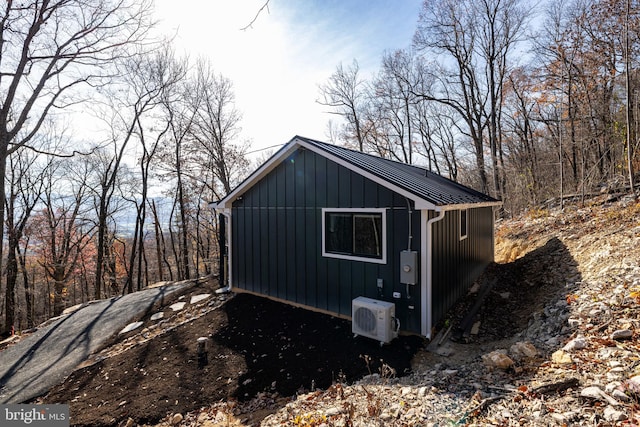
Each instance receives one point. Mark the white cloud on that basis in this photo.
(277, 64)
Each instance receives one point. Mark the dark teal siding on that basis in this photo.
(458, 263)
(277, 237)
(276, 232)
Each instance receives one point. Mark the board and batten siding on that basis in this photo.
(458, 263)
(277, 238)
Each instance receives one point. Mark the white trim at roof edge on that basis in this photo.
(419, 202)
(469, 206)
(296, 142)
(288, 149)
(227, 201)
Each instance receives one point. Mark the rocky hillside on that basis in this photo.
(555, 340)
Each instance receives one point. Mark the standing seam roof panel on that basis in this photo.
(419, 181)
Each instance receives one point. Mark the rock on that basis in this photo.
(574, 323)
(385, 416)
(130, 422)
(559, 418)
(578, 343)
(552, 342)
(475, 328)
(497, 359)
(613, 415)
(336, 410)
(176, 419)
(130, 327)
(422, 391)
(157, 316)
(198, 298)
(177, 306)
(395, 408)
(561, 357)
(592, 393)
(596, 393)
(631, 385)
(620, 395)
(622, 334)
(523, 349)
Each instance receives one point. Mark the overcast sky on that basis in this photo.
(293, 46)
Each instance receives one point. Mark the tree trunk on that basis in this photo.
(12, 278)
(156, 223)
(28, 291)
(102, 228)
(59, 292)
(9, 302)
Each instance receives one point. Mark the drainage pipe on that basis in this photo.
(427, 270)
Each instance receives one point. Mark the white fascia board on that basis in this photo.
(461, 206)
(419, 202)
(257, 175)
(295, 143)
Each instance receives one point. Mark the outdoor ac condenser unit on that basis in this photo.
(374, 319)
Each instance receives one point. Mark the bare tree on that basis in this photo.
(583, 58)
(25, 179)
(450, 28)
(215, 128)
(61, 228)
(152, 80)
(395, 90)
(48, 49)
(631, 134)
(346, 94)
(473, 39)
(109, 187)
(180, 116)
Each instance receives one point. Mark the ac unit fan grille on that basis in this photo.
(365, 319)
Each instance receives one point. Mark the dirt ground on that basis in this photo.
(514, 291)
(261, 347)
(272, 351)
(255, 346)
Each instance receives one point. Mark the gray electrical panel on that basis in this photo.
(409, 267)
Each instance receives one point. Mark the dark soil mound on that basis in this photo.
(256, 345)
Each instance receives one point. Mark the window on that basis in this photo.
(356, 234)
(464, 223)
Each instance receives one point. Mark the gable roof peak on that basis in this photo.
(427, 189)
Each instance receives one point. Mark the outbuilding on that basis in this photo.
(325, 227)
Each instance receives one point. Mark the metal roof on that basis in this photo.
(430, 189)
(427, 185)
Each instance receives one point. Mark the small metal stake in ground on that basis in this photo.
(203, 358)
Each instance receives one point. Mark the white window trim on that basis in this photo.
(463, 236)
(381, 211)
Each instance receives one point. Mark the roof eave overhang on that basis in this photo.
(295, 143)
(419, 202)
(257, 175)
(459, 206)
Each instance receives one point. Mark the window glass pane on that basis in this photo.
(367, 235)
(463, 223)
(338, 228)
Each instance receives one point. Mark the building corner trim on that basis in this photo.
(427, 270)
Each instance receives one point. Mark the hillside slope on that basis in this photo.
(554, 342)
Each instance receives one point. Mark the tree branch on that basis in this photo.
(255, 18)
